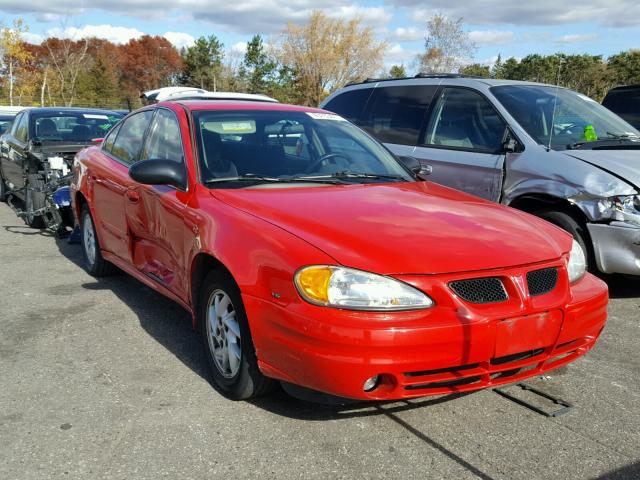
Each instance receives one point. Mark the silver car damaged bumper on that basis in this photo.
(616, 247)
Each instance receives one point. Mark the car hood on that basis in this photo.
(393, 228)
(624, 164)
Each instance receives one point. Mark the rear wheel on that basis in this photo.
(577, 228)
(227, 340)
(93, 261)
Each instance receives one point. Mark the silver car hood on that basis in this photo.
(624, 164)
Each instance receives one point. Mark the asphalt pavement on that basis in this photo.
(105, 379)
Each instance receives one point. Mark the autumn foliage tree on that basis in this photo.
(326, 54)
(149, 62)
(14, 53)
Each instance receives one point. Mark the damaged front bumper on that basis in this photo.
(616, 247)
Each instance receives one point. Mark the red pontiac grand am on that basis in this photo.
(307, 253)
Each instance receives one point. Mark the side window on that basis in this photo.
(350, 104)
(164, 139)
(464, 119)
(20, 129)
(128, 143)
(397, 114)
(107, 145)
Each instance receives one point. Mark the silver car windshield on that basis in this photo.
(560, 118)
(286, 146)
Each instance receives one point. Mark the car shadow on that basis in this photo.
(28, 231)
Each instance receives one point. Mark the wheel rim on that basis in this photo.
(89, 239)
(223, 334)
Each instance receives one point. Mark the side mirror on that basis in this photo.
(159, 172)
(413, 164)
(510, 144)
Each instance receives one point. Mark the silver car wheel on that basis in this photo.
(89, 239)
(223, 334)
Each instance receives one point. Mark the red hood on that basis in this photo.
(395, 228)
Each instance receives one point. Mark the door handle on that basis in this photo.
(132, 196)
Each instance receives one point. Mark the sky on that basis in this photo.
(506, 27)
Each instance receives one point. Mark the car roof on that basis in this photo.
(195, 105)
(448, 78)
(69, 110)
(192, 93)
(625, 87)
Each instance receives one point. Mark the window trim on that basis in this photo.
(184, 157)
(441, 89)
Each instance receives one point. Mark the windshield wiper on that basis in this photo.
(251, 177)
(348, 174)
(611, 140)
(622, 136)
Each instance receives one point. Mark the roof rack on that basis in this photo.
(419, 75)
(190, 93)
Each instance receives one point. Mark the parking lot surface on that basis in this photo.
(106, 379)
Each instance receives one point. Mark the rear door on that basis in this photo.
(111, 184)
(155, 214)
(463, 141)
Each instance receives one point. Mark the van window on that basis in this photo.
(398, 113)
(350, 104)
(626, 103)
(464, 119)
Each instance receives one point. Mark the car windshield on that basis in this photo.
(287, 146)
(561, 118)
(75, 127)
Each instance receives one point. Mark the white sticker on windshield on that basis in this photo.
(325, 116)
(94, 115)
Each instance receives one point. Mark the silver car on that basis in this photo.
(543, 149)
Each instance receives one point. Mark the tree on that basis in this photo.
(447, 46)
(326, 54)
(624, 67)
(66, 58)
(397, 71)
(203, 63)
(149, 62)
(14, 53)
(258, 67)
(476, 70)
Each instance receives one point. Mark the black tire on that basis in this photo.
(577, 228)
(3, 190)
(93, 261)
(34, 200)
(245, 380)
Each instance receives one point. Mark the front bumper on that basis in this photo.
(616, 247)
(452, 347)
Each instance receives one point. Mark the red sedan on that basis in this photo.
(307, 253)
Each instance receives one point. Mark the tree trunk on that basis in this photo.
(44, 86)
(10, 82)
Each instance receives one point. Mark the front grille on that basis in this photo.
(542, 281)
(480, 290)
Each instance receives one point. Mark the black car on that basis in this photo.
(625, 102)
(36, 156)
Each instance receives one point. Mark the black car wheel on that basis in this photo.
(227, 340)
(33, 201)
(3, 190)
(577, 228)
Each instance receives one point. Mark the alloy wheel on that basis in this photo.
(223, 334)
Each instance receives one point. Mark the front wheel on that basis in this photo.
(34, 200)
(93, 261)
(227, 340)
(3, 190)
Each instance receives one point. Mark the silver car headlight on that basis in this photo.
(341, 287)
(626, 208)
(577, 262)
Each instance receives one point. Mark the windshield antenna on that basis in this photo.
(555, 103)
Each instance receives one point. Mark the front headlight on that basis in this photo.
(626, 208)
(332, 286)
(577, 263)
